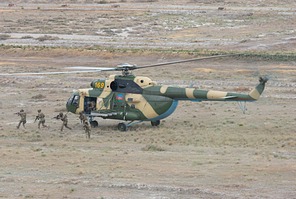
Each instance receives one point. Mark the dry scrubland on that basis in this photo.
(212, 25)
(203, 150)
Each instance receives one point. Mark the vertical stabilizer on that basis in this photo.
(258, 90)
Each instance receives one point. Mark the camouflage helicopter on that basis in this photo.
(135, 99)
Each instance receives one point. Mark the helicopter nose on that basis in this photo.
(72, 103)
(70, 108)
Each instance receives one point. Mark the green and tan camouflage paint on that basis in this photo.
(154, 101)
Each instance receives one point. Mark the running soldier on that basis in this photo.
(87, 128)
(41, 118)
(82, 117)
(64, 118)
(23, 120)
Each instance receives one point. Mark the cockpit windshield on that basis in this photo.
(73, 100)
(76, 100)
(69, 102)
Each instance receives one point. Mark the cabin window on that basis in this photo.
(90, 104)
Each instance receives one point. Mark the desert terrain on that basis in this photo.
(203, 150)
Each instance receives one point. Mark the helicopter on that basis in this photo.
(135, 99)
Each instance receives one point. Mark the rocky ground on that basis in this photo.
(203, 150)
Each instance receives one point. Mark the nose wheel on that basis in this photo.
(122, 126)
(94, 124)
(155, 123)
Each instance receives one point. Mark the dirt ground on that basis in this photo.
(203, 150)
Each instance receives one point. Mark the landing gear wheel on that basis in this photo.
(155, 123)
(94, 124)
(122, 127)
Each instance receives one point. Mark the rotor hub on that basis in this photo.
(126, 68)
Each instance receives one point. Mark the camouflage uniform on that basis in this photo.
(23, 120)
(41, 118)
(82, 117)
(87, 128)
(64, 118)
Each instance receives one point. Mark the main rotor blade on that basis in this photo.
(90, 68)
(122, 67)
(48, 73)
(182, 61)
(78, 69)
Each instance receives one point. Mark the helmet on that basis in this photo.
(39, 110)
(61, 114)
(22, 110)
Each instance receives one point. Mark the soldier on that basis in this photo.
(87, 128)
(41, 118)
(90, 106)
(82, 117)
(23, 120)
(64, 118)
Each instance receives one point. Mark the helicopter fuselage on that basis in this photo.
(133, 98)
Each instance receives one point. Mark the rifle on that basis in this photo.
(37, 118)
(57, 117)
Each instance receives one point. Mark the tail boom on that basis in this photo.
(178, 93)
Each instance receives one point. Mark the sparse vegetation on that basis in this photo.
(260, 56)
(27, 37)
(39, 96)
(4, 36)
(152, 148)
(103, 2)
(47, 37)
